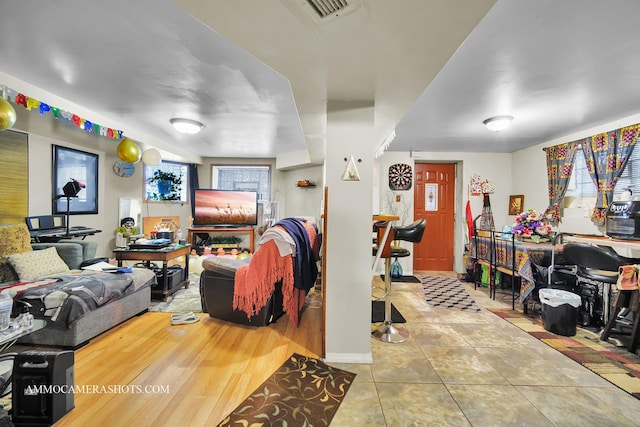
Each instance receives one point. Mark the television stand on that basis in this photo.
(213, 230)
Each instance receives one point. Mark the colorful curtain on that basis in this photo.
(559, 169)
(607, 155)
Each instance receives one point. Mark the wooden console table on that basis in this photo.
(234, 230)
(165, 255)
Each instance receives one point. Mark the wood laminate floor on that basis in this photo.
(456, 368)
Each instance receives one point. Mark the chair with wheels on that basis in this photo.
(596, 273)
(627, 301)
(413, 233)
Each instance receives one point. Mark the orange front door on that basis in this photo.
(434, 195)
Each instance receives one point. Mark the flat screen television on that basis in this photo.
(224, 208)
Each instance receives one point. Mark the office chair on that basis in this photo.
(596, 272)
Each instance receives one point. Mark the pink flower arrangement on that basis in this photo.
(531, 223)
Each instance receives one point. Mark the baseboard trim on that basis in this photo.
(364, 358)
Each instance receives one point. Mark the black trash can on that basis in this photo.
(559, 311)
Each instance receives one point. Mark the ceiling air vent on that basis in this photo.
(321, 11)
(326, 8)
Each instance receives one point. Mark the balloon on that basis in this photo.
(7, 114)
(128, 151)
(242, 256)
(151, 157)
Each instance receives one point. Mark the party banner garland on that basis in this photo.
(80, 122)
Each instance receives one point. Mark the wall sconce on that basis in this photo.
(351, 171)
(186, 125)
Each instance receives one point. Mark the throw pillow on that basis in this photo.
(7, 273)
(36, 264)
(14, 239)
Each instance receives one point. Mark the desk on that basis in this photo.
(235, 230)
(164, 255)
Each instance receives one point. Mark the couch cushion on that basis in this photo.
(36, 264)
(223, 265)
(14, 239)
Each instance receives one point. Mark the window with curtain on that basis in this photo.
(581, 190)
(154, 190)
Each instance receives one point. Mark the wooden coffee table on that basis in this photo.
(164, 289)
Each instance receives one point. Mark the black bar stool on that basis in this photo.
(413, 233)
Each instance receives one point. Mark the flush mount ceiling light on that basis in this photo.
(187, 125)
(498, 123)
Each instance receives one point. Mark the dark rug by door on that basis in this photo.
(614, 364)
(302, 392)
(377, 313)
(448, 293)
(402, 279)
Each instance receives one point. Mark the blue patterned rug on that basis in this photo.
(447, 293)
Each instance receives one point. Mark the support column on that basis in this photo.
(349, 210)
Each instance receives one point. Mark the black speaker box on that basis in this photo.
(42, 387)
(71, 189)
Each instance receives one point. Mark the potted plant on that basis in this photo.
(168, 185)
(225, 242)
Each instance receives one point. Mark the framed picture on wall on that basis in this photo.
(74, 169)
(516, 204)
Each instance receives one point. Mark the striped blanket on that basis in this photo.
(64, 299)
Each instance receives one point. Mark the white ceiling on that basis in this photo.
(556, 66)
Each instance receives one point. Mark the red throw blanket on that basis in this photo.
(255, 282)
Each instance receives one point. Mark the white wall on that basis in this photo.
(496, 167)
(530, 177)
(303, 201)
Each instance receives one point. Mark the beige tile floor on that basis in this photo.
(475, 369)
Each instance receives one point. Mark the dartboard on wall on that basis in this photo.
(400, 177)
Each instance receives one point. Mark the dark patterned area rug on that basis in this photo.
(448, 293)
(614, 364)
(302, 392)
